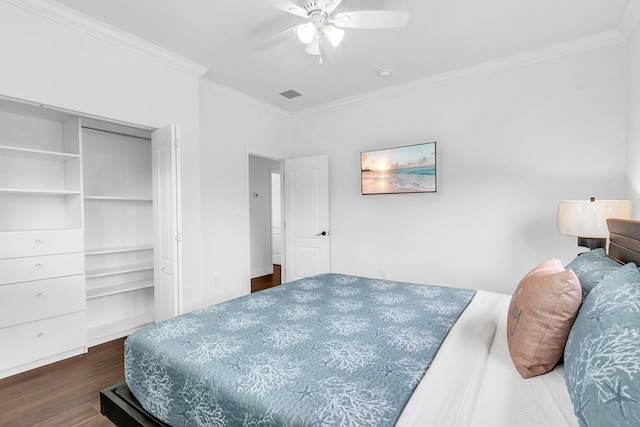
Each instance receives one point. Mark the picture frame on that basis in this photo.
(399, 170)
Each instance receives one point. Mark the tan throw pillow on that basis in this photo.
(542, 311)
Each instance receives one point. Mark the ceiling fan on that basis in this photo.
(324, 23)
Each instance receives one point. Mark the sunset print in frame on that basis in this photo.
(399, 170)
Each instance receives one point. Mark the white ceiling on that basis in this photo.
(232, 39)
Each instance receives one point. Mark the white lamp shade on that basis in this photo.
(306, 32)
(334, 35)
(313, 48)
(588, 218)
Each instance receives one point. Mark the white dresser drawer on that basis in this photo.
(28, 301)
(40, 267)
(14, 244)
(37, 340)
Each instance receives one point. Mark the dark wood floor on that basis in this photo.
(63, 394)
(268, 281)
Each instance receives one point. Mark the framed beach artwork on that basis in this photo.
(399, 170)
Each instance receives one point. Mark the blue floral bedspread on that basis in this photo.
(329, 350)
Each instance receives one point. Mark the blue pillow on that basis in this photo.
(591, 267)
(602, 356)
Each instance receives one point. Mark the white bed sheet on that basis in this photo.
(473, 382)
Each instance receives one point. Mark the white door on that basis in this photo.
(276, 218)
(306, 189)
(166, 223)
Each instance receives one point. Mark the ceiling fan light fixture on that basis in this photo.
(384, 73)
(306, 32)
(334, 35)
(313, 48)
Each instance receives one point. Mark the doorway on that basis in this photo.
(304, 200)
(265, 212)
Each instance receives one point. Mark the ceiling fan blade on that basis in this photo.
(276, 39)
(371, 19)
(331, 6)
(289, 7)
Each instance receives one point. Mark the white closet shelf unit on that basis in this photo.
(70, 183)
(124, 323)
(104, 251)
(79, 231)
(42, 283)
(104, 272)
(34, 192)
(121, 269)
(7, 150)
(119, 198)
(118, 207)
(118, 289)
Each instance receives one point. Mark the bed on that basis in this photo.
(353, 351)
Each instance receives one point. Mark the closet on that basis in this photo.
(118, 235)
(77, 235)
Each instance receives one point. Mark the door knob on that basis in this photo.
(324, 233)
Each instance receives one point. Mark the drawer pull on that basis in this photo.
(38, 242)
(39, 294)
(40, 334)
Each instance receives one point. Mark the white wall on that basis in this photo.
(260, 227)
(510, 145)
(48, 62)
(633, 138)
(232, 127)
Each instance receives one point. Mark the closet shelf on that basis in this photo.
(112, 330)
(34, 192)
(119, 289)
(7, 150)
(133, 268)
(26, 230)
(117, 250)
(119, 199)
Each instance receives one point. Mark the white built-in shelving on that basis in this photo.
(42, 284)
(121, 269)
(104, 251)
(34, 192)
(28, 153)
(118, 289)
(77, 232)
(118, 212)
(119, 199)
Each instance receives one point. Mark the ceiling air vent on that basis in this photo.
(290, 94)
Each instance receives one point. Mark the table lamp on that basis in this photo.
(587, 219)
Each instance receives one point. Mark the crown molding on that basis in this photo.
(221, 90)
(78, 21)
(607, 38)
(630, 18)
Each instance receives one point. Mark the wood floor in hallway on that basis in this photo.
(268, 281)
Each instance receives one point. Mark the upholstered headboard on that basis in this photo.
(624, 240)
